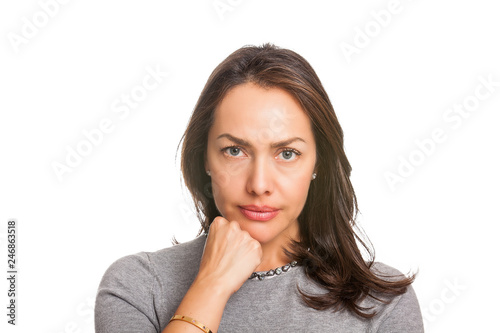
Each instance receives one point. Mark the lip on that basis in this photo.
(259, 213)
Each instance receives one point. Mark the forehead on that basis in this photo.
(261, 115)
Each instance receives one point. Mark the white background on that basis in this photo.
(126, 195)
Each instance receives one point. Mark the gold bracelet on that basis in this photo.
(192, 322)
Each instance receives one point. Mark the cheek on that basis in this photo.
(226, 186)
(220, 180)
(296, 189)
(228, 178)
(231, 170)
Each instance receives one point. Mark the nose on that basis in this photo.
(261, 177)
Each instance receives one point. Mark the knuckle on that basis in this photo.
(219, 219)
(233, 225)
(256, 245)
(218, 222)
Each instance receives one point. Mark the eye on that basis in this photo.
(288, 154)
(232, 151)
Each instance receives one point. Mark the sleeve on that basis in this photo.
(124, 301)
(405, 315)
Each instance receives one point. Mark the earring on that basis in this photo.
(314, 176)
(208, 173)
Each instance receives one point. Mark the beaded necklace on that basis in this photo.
(272, 272)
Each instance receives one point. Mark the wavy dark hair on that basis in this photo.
(327, 222)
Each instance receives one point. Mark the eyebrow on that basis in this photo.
(244, 143)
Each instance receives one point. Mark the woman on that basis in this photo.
(263, 159)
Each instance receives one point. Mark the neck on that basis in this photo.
(273, 255)
(271, 259)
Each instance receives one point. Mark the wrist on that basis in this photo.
(212, 286)
(204, 301)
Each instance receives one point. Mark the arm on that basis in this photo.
(124, 298)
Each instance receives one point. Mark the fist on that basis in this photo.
(230, 255)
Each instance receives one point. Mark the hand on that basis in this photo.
(230, 256)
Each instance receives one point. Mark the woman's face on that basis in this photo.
(261, 152)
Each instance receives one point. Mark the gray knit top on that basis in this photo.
(140, 293)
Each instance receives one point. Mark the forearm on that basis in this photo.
(204, 302)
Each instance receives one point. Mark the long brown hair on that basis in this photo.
(328, 248)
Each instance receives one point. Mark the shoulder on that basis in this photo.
(184, 257)
(181, 251)
(402, 312)
(138, 265)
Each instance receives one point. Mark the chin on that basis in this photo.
(261, 237)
